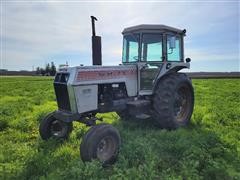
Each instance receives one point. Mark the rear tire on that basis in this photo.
(101, 142)
(50, 127)
(173, 101)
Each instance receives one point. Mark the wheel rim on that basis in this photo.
(58, 129)
(106, 149)
(182, 103)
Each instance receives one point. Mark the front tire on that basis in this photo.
(173, 101)
(50, 127)
(101, 142)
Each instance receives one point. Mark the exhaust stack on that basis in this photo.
(96, 45)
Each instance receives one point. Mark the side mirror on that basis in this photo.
(172, 42)
(188, 59)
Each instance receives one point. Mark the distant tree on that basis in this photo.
(47, 69)
(52, 69)
(38, 70)
(42, 71)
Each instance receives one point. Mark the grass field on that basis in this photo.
(209, 148)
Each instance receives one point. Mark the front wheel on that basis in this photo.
(173, 101)
(101, 142)
(50, 127)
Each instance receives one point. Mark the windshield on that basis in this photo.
(152, 47)
(130, 48)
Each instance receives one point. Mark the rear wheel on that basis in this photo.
(101, 142)
(52, 127)
(173, 101)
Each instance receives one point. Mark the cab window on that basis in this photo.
(173, 48)
(151, 47)
(130, 48)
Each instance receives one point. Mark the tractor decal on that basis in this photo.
(105, 74)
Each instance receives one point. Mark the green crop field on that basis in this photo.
(209, 148)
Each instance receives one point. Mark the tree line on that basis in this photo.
(49, 70)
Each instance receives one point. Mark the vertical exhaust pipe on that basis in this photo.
(96, 45)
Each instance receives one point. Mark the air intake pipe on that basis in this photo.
(96, 45)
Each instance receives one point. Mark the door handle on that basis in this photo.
(144, 66)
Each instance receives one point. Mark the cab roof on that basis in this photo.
(152, 28)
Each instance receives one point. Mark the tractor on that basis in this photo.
(146, 85)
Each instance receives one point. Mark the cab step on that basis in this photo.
(142, 116)
(139, 108)
(139, 103)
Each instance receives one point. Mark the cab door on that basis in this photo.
(151, 61)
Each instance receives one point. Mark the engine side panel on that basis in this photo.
(86, 98)
(106, 75)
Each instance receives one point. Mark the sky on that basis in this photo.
(34, 33)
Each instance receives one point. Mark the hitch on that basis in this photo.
(90, 120)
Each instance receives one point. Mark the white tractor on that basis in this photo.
(146, 85)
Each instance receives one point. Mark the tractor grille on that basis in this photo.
(61, 91)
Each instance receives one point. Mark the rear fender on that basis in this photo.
(167, 68)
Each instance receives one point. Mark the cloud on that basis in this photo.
(200, 55)
(35, 32)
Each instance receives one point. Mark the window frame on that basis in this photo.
(180, 48)
(164, 35)
(141, 41)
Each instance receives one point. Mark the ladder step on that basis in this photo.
(139, 108)
(142, 116)
(139, 103)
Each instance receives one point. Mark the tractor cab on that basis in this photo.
(151, 47)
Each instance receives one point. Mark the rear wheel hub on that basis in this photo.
(106, 148)
(58, 129)
(181, 103)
